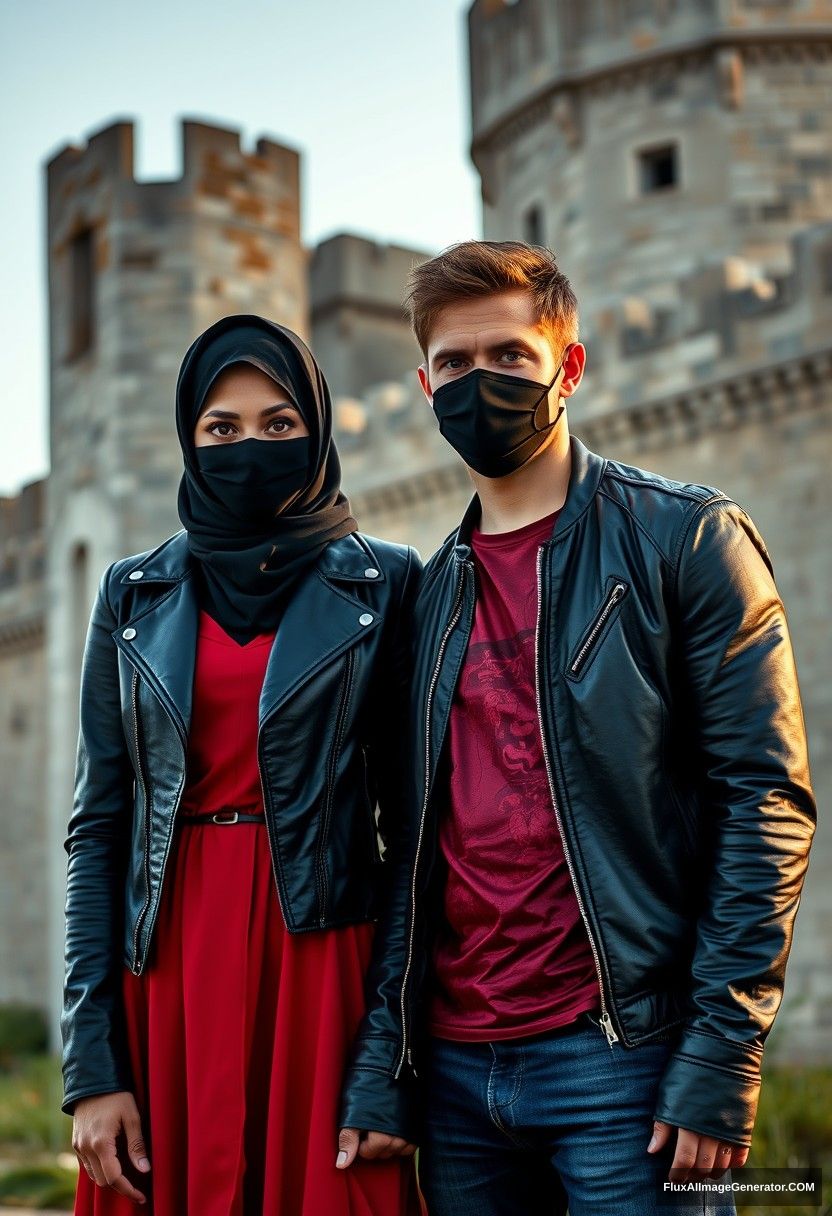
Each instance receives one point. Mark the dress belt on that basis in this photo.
(226, 814)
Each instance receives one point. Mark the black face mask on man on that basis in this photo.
(254, 477)
(495, 421)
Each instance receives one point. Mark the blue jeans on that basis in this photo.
(520, 1127)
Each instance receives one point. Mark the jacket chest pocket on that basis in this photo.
(615, 592)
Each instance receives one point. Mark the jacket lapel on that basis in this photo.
(322, 619)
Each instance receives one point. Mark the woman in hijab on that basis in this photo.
(243, 686)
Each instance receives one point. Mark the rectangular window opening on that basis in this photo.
(658, 168)
(82, 293)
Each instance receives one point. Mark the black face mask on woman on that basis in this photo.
(495, 421)
(253, 477)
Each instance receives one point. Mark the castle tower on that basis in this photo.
(360, 332)
(677, 157)
(136, 271)
(669, 151)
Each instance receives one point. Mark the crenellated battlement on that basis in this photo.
(177, 253)
(244, 198)
(110, 152)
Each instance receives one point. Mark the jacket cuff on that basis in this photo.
(373, 1100)
(70, 1098)
(89, 1070)
(711, 1085)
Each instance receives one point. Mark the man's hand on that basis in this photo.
(96, 1123)
(353, 1143)
(696, 1155)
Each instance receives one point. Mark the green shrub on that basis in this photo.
(38, 1186)
(23, 1030)
(31, 1120)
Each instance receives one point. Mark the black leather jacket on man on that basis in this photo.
(676, 753)
(329, 752)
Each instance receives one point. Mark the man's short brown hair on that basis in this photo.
(482, 268)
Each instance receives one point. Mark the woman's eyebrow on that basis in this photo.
(269, 409)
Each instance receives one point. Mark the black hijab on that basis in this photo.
(245, 572)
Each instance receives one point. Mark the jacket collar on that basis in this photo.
(323, 618)
(347, 558)
(585, 475)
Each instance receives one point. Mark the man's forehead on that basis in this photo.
(490, 320)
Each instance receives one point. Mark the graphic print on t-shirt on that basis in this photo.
(497, 675)
(512, 956)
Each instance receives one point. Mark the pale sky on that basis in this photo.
(374, 94)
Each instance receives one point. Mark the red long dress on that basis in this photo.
(238, 1031)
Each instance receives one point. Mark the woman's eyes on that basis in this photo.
(283, 423)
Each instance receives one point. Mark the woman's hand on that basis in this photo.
(353, 1143)
(96, 1123)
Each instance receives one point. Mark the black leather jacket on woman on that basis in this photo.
(329, 751)
(676, 754)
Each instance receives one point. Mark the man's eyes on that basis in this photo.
(509, 356)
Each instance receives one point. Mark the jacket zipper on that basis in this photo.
(140, 774)
(138, 963)
(346, 683)
(268, 829)
(455, 614)
(613, 598)
(606, 1022)
(375, 848)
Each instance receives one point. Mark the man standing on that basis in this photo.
(612, 809)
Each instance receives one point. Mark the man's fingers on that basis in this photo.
(348, 1140)
(661, 1132)
(374, 1146)
(706, 1153)
(380, 1146)
(697, 1155)
(684, 1159)
(722, 1160)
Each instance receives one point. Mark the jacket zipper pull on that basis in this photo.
(410, 1062)
(612, 1037)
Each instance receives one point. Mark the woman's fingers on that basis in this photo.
(97, 1122)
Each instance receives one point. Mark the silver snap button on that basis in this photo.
(135, 574)
(365, 619)
(371, 572)
(128, 633)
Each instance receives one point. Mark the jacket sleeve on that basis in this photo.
(748, 735)
(95, 1057)
(372, 1099)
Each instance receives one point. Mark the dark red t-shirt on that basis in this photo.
(513, 957)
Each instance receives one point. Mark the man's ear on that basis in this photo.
(425, 382)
